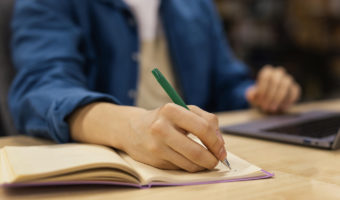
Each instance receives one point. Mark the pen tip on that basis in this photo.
(227, 163)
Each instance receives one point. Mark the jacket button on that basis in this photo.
(132, 94)
(131, 22)
(135, 57)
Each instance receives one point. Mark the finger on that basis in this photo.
(211, 118)
(190, 149)
(205, 130)
(263, 81)
(154, 157)
(285, 104)
(163, 164)
(296, 93)
(293, 96)
(251, 95)
(275, 80)
(282, 93)
(181, 161)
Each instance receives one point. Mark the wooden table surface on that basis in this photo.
(300, 172)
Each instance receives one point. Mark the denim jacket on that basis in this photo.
(69, 53)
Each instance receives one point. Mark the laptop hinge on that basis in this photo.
(336, 143)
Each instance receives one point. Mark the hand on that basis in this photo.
(275, 90)
(157, 137)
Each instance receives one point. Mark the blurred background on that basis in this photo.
(303, 36)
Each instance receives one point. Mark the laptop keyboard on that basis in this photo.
(316, 128)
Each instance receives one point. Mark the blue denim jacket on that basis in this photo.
(69, 53)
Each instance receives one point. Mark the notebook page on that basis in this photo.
(240, 169)
(36, 162)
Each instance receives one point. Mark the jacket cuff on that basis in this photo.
(240, 93)
(59, 110)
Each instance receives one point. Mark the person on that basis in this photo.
(83, 74)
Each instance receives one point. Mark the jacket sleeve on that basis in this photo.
(50, 81)
(231, 77)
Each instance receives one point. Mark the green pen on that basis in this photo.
(175, 97)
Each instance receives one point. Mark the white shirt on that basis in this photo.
(146, 14)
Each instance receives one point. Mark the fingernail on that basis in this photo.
(222, 154)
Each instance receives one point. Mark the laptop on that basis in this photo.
(317, 128)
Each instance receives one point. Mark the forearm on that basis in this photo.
(102, 123)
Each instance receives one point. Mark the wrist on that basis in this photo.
(85, 124)
(102, 123)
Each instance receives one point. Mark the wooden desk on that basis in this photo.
(300, 172)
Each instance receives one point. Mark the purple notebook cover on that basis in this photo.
(13, 185)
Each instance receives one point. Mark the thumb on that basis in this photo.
(251, 94)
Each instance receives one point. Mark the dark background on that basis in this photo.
(303, 36)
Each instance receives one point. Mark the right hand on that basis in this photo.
(159, 138)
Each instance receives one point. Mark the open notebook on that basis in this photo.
(65, 164)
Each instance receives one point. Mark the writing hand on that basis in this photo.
(158, 138)
(155, 137)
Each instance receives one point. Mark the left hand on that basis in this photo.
(275, 90)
